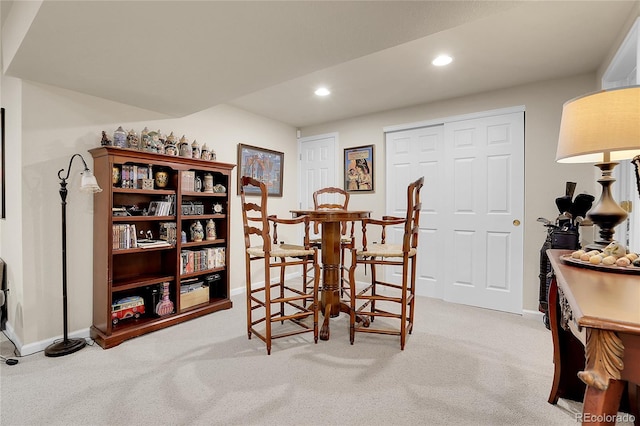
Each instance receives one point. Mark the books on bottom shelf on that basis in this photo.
(201, 260)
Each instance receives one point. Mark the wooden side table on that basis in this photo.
(600, 310)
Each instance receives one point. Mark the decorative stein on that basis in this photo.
(162, 179)
(211, 230)
(195, 149)
(120, 138)
(132, 140)
(208, 183)
(145, 140)
(153, 142)
(205, 154)
(197, 232)
(183, 237)
(161, 142)
(171, 148)
(213, 155)
(198, 185)
(183, 148)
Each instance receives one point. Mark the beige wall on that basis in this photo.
(58, 123)
(544, 178)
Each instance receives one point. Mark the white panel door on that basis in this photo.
(318, 160)
(411, 154)
(485, 176)
(470, 246)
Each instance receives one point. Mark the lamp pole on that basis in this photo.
(67, 345)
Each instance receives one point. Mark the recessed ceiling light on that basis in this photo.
(322, 91)
(442, 60)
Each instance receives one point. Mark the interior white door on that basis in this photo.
(411, 154)
(471, 245)
(485, 172)
(318, 161)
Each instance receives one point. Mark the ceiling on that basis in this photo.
(267, 57)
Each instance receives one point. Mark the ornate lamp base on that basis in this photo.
(65, 347)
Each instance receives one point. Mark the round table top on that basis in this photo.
(332, 215)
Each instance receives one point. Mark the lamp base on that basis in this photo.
(65, 347)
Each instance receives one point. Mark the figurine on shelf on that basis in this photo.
(105, 141)
(165, 305)
(213, 154)
(211, 230)
(195, 149)
(132, 140)
(120, 138)
(183, 147)
(197, 232)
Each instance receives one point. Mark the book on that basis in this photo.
(152, 243)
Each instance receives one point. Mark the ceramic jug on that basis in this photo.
(211, 230)
(195, 149)
(197, 232)
(208, 183)
(184, 148)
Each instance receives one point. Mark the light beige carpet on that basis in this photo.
(461, 366)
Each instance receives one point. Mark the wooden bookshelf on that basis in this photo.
(134, 271)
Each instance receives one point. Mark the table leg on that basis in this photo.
(330, 274)
(601, 406)
(568, 355)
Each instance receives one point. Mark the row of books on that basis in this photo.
(124, 236)
(160, 208)
(131, 175)
(201, 260)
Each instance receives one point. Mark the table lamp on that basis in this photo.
(602, 128)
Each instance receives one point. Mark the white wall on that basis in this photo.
(58, 123)
(544, 178)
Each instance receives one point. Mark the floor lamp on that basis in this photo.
(88, 184)
(602, 128)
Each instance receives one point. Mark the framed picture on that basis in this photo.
(262, 164)
(358, 169)
(3, 211)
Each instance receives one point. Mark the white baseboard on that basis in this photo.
(32, 348)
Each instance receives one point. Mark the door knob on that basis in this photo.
(516, 222)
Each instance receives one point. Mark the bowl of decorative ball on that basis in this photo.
(613, 258)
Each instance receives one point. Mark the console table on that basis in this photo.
(595, 326)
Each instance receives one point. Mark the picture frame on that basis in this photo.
(359, 168)
(262, 164)
(3, 208)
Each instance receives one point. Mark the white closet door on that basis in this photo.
(471, 241)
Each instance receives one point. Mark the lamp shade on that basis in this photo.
(89, 182)
(604, 126)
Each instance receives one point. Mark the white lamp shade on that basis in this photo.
(603, 126)
(89, 182)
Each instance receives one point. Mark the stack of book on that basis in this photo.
(152, 243)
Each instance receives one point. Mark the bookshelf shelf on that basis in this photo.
(151, 272)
